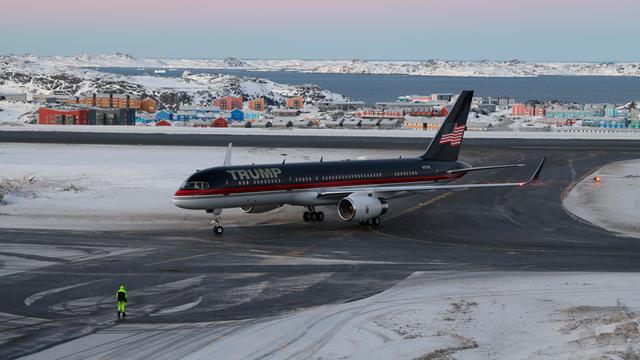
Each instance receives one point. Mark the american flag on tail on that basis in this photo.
(454, 137)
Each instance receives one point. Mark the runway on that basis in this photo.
(64, 287)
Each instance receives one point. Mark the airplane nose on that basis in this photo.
(179, 201)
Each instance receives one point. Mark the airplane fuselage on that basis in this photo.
(298, 183)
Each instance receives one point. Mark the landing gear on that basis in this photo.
(375, 222)
(313, 215)
(217, 228)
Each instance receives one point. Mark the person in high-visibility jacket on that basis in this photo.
(122, 297)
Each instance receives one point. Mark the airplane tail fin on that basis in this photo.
(446, 144)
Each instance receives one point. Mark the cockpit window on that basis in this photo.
(194, 185)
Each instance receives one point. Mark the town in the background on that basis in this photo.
(414, 112)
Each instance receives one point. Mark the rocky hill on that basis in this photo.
(30, 74)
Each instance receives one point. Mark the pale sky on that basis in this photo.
(555, 30)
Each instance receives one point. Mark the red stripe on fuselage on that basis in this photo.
(318, 184)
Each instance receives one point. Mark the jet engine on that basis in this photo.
(259, 209)
(361, 207)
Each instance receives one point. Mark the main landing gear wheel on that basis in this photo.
(375, 222)
(313, 216)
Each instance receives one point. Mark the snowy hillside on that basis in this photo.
(48, 75)
(485, 68)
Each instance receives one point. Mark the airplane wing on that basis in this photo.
(428, 187)
(484, 168)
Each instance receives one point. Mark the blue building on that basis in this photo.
(251, 115)
(607, 123)
(571, 114)
(164, 115)
(236, 115)
(185, 116)
(610, 111)
(201, 109)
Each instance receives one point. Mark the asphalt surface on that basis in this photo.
(64, 282)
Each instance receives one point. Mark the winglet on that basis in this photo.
(227, 156)
(536, 175)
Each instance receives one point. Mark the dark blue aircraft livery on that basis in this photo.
(359, 188)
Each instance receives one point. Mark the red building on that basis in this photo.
(370, 114)
(519, 110)
(536, 110)
(295, 103)
(257, 104)
(228, 103)
(163, 123)
(220, 122)
(433, 113)
(148, 105)
(63, 117)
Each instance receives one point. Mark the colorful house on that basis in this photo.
(185, 116)
(257, 104)
(251, 115)
(607, 123)
(163, 123)
(220, 122)
(295, 103)
(571, 113)
(236, 115)
(164, 115)
(63, 116)
(610, 111)
(148, 105)
(519, 109)
(228, 103)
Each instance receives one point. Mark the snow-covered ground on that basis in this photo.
(433, 315)
(611, 134)
(121, 187)
(614, 202)
(12, 112)
(486, 68)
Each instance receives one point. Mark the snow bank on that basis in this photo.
(122, 187)
(16, 112)
(614, 202)
(398, 133)
(435, 315)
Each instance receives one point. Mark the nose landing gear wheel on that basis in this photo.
(217, 229)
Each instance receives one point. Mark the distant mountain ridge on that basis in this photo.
(431, 67)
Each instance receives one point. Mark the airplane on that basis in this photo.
(360, 189)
